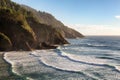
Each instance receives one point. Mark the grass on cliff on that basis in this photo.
(15, 17)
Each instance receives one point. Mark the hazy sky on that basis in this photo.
(90, 17)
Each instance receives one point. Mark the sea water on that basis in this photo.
(89, 58)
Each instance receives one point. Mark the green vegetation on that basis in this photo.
(24, 30)
(48, 19)
(15, 27)
(11, 16)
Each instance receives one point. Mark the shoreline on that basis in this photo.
(50, 68)
(44, 61)
(6, 69)
(10, 73)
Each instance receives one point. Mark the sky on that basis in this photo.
(89, 17)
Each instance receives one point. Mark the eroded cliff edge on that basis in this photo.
(25, 29)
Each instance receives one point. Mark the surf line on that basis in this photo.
(63, 70)
(59, 52)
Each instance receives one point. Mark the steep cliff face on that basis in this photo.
(20, 30)
(5, 42)
(46, 33)
(48, 19)
(14, 26)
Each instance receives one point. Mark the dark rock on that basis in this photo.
(23, 29)
(44, 45)
(5, 42)
(17, 34)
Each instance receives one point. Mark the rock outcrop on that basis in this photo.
(48, 19)
(14, 27)
(22, 29)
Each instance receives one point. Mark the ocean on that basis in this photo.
(89, 58)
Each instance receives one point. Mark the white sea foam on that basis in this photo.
(61, 62)
(117, 67)
(54, 60)
(34, 62)
(85, 58)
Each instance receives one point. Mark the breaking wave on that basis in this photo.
(77, 61)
